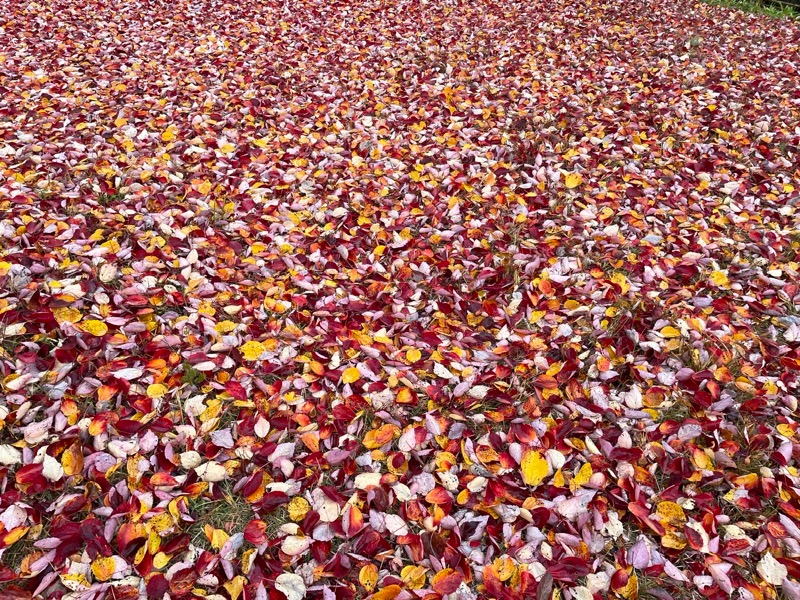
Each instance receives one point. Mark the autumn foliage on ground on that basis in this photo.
(398, 299)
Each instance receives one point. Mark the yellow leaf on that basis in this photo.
(631, 588)
(15, 535)
(785, 430)
(298, 508)
(701, 460)
(67, 315)
(671, 513)
(235, 587)
(413, 576)
(621, 281)
(217, 537)
(252, 350)
(573, 180)
(558, 479)
(719, 278)
(95, 327)
(351, 375)
(505, 567)
(225, 326)
(204, 187)
(673, 540)
(413, 355)
(169, 134)
(156, 390)
(104, 568)
(368, 576)
(72, 460)
(582, 477)
(534, 468)
(670, 332)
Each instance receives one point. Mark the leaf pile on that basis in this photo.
(412, 299)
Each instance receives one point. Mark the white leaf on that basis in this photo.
(292, 586)
(441, 371)
(190, 459)
(211, 472)
(9, 455)
(396, 525)
(108, 272)
(575, 506)
(365, 481)
(51, 468)
(328, 509)
(261, 427)
(478, 392)
(295, 545)
(13, 516)
(129, 373)
(771, 570)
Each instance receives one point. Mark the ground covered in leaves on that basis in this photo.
(443, 300)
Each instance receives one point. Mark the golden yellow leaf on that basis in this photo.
(205, 187)
(95, 327)
(217, 537)
(621, 281)
(785, 430)
(670, 332)
(673, 540)
(156, 390)
(505, 567)
(351, 375)
(573, 180)
(15, 535)
(252, 350)
(235, 587)
(67, 315)
(631, 588)
(413, 355)
(368, 576)
(413, 576)
(671, 513)
(582, 477)
(225, 326)
(534, 468)
(168, 134)
(104, 568)
(72, 460)
(719, 278)
(298, 508)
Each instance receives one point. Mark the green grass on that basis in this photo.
(775, 9)
(230, 513)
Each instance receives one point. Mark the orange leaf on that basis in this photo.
(446, 581)
(388, 593)
(380, 437)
